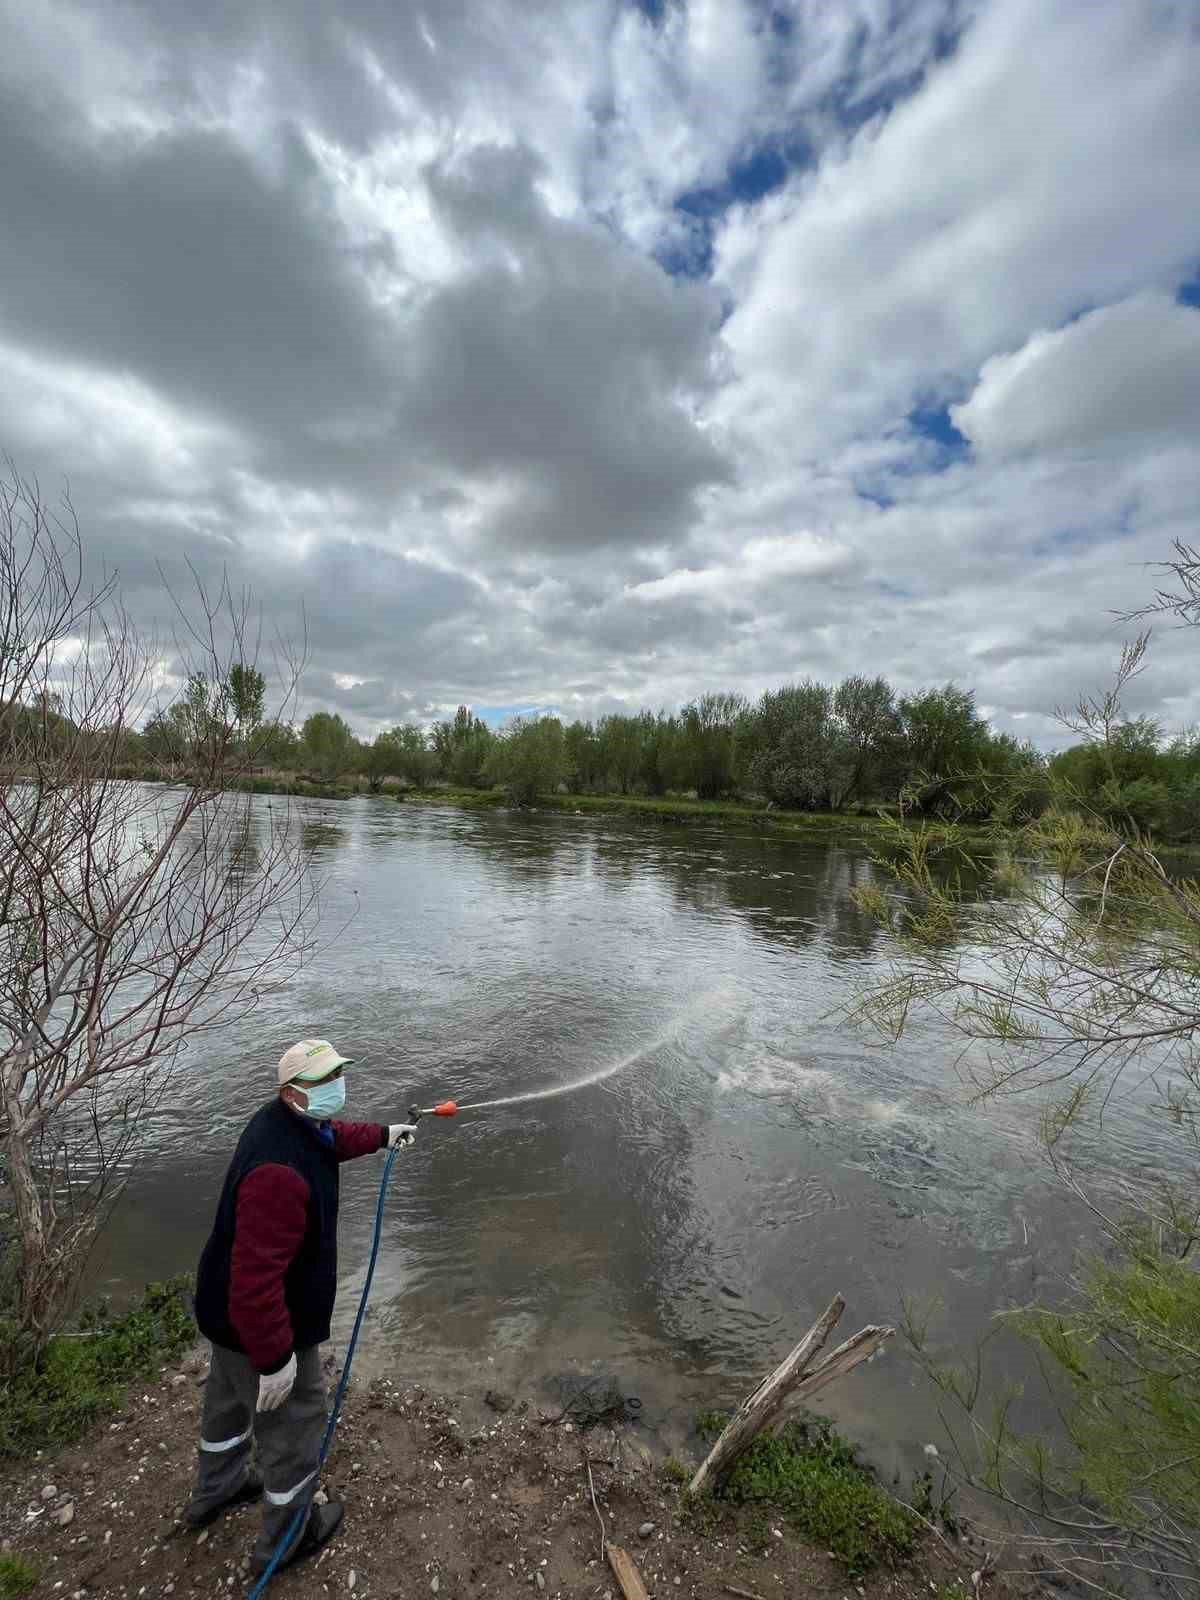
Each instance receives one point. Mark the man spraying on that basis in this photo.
(264, 1296)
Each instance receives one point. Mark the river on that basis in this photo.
(677, 1224)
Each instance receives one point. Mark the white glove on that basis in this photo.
(400, 1133)
(274, 1387)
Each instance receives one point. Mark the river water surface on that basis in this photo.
(677, 1224)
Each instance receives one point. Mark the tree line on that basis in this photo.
(805, 746)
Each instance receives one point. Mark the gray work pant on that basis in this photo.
(289, 1441)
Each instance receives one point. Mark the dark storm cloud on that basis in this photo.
(557, 361)
(176, 259)
(564, 359)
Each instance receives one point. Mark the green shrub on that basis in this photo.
(17, 1577)
(814, 1480)
(83, 1375)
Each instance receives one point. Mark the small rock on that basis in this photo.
(320, 1498)
(352, 1580)
(180, 1377)
(65, 1515)
(541, 1582)
(646, 1529)
(202, 1537)
(435, 1585)
(49, 1492)
(498, 1400)
(169, 1588)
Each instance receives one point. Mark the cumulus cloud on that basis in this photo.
(1121, 376)
(1048, 164)
(595, 353)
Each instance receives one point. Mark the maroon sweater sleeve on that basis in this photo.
(272, 1213)
(353, 1139)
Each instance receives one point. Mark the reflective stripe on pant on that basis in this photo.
(288, 1438)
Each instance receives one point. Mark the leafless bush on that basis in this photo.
(133, 919)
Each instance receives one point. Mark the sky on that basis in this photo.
(586, 355)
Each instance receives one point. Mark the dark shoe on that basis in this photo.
(323, 1523)
(251, 1489)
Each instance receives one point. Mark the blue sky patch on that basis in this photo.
(933, 422)
(759, 172)
(875, 493)
(854, 109)
(497, 716)
(689, 257)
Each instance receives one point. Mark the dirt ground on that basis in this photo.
(441, 1499)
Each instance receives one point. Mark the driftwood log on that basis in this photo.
(797, 1378)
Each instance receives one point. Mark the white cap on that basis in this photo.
(309, 1061)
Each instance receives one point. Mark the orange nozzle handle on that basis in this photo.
(448, 1108)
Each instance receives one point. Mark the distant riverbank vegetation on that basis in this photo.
(808, 747)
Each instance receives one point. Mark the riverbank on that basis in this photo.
(672, 810)
(443, 1497)
(676, 811)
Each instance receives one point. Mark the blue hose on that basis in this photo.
(301, 1516)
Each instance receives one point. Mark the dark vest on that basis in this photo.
(277, 1136)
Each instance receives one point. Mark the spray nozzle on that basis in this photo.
(448, 1108)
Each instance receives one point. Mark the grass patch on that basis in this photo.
(814, 1479)
(465, 799)
(675, 1471)
(17, 1577)
(83, 1376)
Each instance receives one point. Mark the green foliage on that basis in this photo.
(461, 748)
(1084, 961)
(807, 747)
(814, 1479)
(17, 1577)
(401, 752)
(955, 768)
(1131, 780)
(246, 690)
(276, 744)
(866, 709)
(620, 751)
(530, 759)
(83, 1376)
(797, 752)
(328, 746)
(584, 767)
(675, 1471)
(1135, 1427)
(704, 757)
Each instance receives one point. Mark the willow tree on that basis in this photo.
(133, 919)
(1067, 958)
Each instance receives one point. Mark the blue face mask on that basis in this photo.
(325, 1100)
